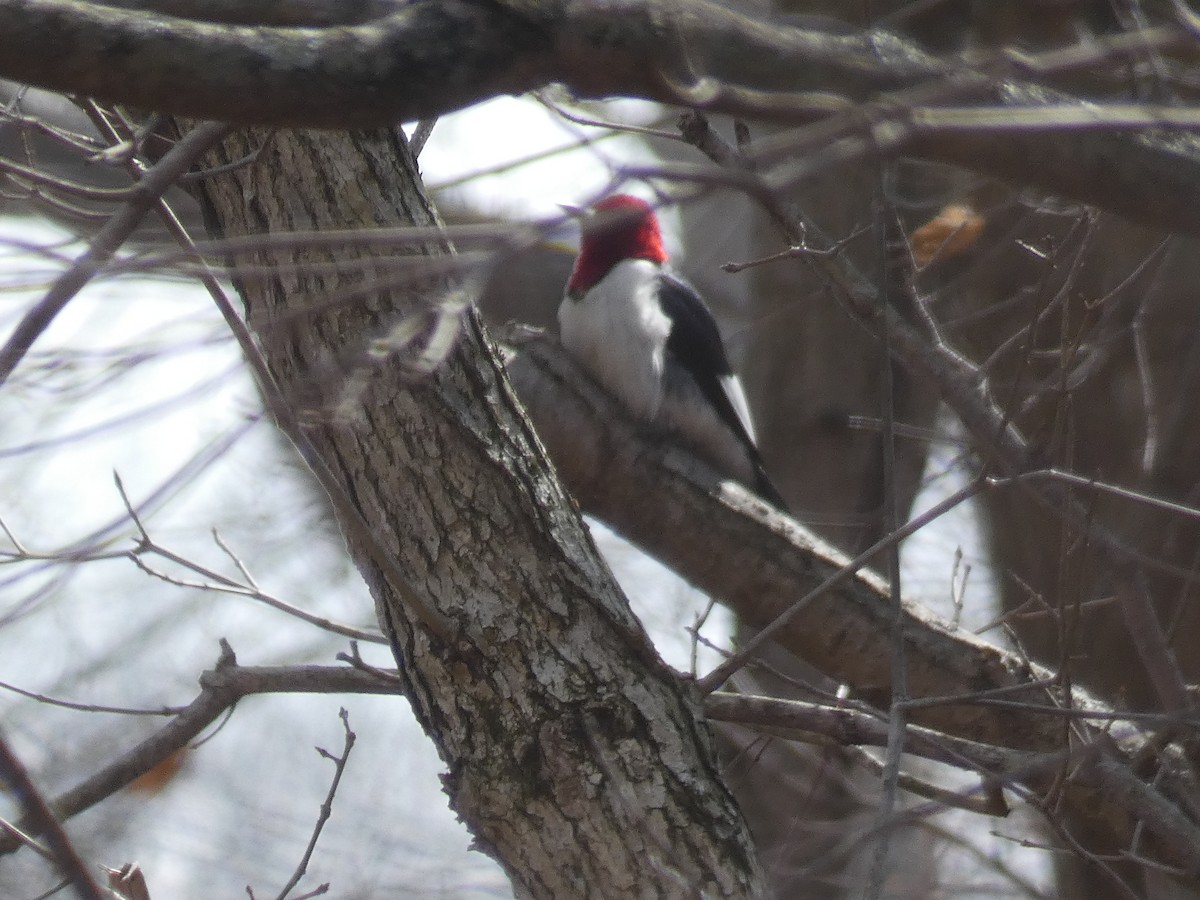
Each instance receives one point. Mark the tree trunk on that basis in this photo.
(574, 755)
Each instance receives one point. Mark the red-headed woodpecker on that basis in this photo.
(649, 339)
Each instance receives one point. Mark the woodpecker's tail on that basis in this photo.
(765, 487)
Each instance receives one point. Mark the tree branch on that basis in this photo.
(758, 562)
(221, 688)
(42, 820)
(379, 64)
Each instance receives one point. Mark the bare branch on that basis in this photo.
(425, 58)
(106, 242)
(757, 562)
(218, 583)
(221, 688)
(381, 64)
(890, 281)
(339, 767)
(42, 820)
(90, 707)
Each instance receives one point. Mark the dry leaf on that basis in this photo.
(160, 776)
(952, 231)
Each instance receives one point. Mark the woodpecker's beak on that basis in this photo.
(575, 212)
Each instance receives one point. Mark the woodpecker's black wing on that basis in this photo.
(695, 342)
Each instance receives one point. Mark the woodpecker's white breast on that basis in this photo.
(618, 331)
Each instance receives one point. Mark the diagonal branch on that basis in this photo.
(145, 195)
(758, 563)
(43, 820)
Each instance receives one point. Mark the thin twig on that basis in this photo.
(221, 584)
(339, 764)
(197, 175)
(90, 546)
(235, 559)
(617, 127)
(28, 840)
(354, 659)
(158, 179)
(887, 230)
(973, 801)
(745, 654)
(513, 236)
(420, 135)
(65, 185)
(694, 630)
(988, 859)
(90, 707)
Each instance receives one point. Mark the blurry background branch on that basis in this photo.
(41, 820)
(379, 64)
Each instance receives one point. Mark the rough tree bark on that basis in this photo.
(577, 758)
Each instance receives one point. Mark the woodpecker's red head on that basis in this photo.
(617, 228)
